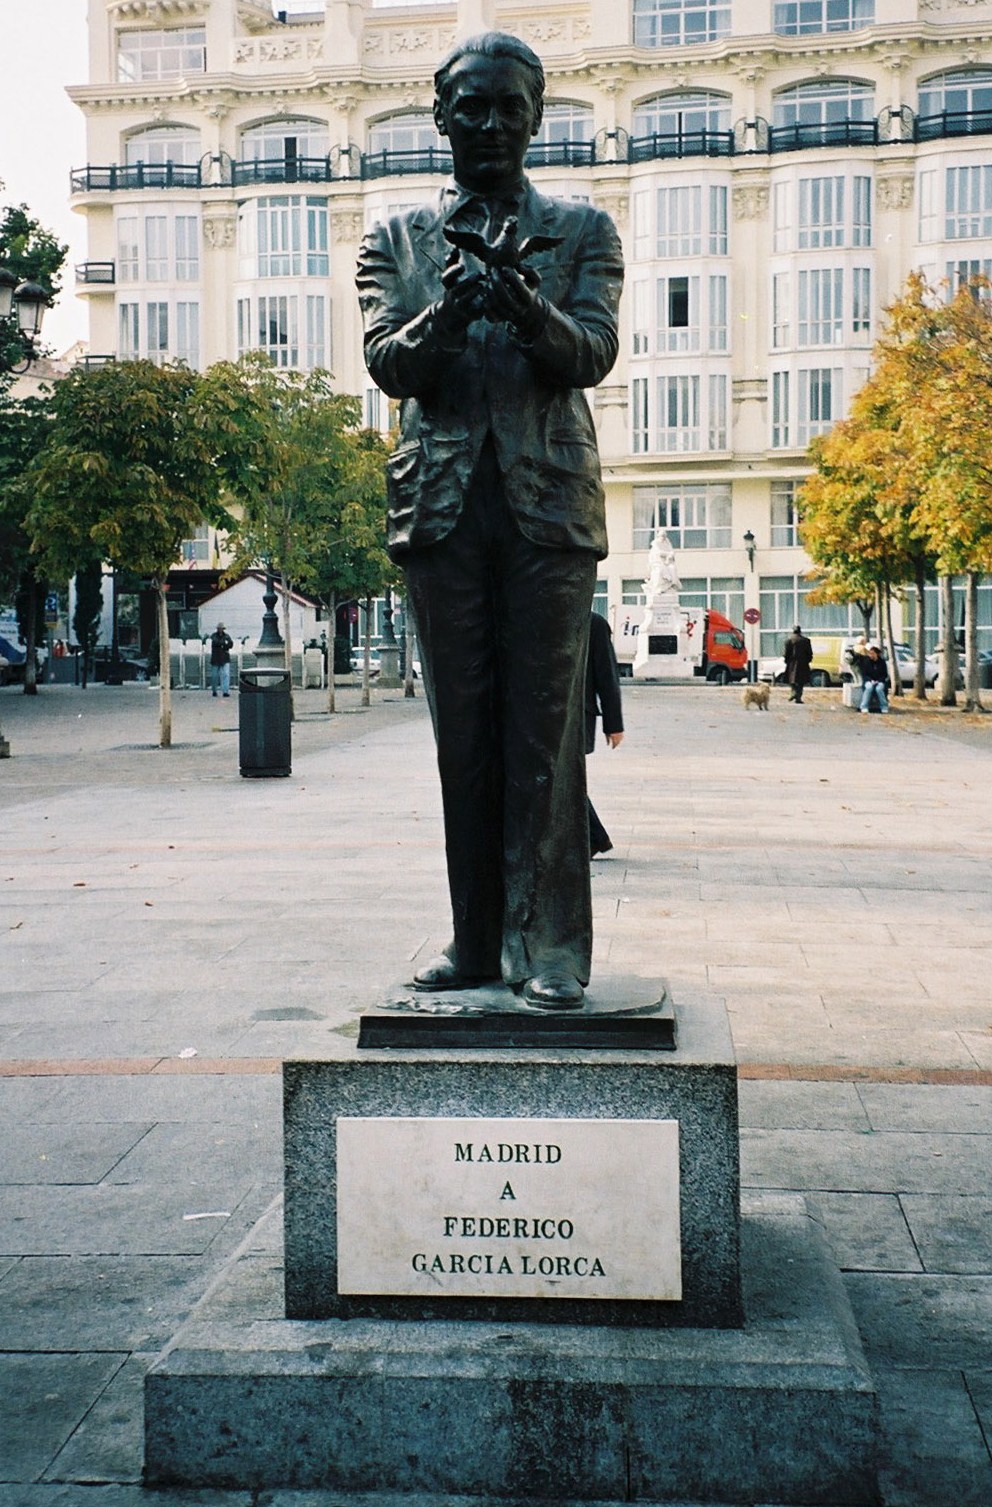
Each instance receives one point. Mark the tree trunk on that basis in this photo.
(948, 644)
(367, 655)
(31, 636)
(408, 639)
(890, 637)
(919, 681)
(332, 626)
(287, 639)
(164, 669)
(972, 692)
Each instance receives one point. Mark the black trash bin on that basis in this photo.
(264, 739)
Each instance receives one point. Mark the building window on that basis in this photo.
(285, 141)
(188, 333)
(821, 306)
(127, 249)
(641, 221)
(965, 95)
(143, 55)
(836, 102)
(600, 599)
(678, 413)
(718, 219)
(278, 329)
(372, 408)
(969, 202)
(781, 310)
(187, 248)
(128, 339)
(639, 415)
(316, 334)
(716, 431)
(927, 200)
(160, 145)
(678, 23)
(819, 401)
(157, 315)
(694, 516)
(680, 222)
(784, 533)
(723, 593)
(410, 131)
(780, 410)
(861, 226)
(719, 335)
(821, 212)
(861, 301)
(292, 237)
(799, 18)
(678, 314)
(682, 124)
(640, 340)
(632, 592)
(959, 274)
(781, 216)
(156, 248)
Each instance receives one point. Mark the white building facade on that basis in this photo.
(775, 168)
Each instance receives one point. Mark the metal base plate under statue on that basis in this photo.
(538, 1282)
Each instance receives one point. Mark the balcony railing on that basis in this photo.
(952, 123)
(561, 154)
(662, 144)
(86, 180)
(825, 133)
(388, 164)
(96, 273)
(284, 170)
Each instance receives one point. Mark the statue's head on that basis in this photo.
(489, 100)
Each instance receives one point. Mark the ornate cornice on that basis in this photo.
(156, 10)
(894, 190)
(750, 199)
(220, 229)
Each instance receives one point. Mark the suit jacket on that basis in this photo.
(528, 396)
(798, 657)
(602, 682)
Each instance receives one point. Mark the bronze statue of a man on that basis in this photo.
(488, 313)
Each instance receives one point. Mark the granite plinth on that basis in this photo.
(695, 1085)
(620, 1013)
(782, 1409)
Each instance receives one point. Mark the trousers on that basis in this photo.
(503, 625)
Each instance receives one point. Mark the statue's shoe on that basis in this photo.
(441, 973)
(554, 991)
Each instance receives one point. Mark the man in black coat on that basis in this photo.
(798, 658)
(602, 700)
(496, 513)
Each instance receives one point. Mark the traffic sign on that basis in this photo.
(752, 615)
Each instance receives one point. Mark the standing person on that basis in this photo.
(221, 645)
(496, 513)
(602, 700)
(874, 679)
(798, 658)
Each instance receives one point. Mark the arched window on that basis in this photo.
(405, 143)
(566, 135)
(284, 151)
(955, 104)
(800, 18)
(681, 125)
(679, 23)
(832, 112)
(161, 157)
(161, 144)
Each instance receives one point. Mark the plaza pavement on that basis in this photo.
(169, 931)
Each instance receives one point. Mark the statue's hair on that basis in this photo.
(492, 44)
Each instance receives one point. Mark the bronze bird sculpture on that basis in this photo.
(506, 250)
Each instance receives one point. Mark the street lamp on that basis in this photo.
(749, 546)
(22, 309)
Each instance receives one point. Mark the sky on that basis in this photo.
(42, 134)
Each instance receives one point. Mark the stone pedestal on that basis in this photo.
(733, 1373)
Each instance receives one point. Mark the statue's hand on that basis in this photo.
(464, 298)
(515, 300)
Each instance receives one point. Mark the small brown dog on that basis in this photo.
(756, 695)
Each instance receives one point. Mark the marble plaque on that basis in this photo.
(516, 1208)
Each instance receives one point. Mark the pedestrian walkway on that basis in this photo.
(169, 932)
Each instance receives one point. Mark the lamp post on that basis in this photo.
(752, 615)
(22, 309)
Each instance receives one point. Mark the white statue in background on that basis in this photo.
(663, 573)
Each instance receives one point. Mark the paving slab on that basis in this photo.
(938, 1455)
(877, 1162)
(42, 1400)
(921, 1322)
(867, 1231)
(952, 1231)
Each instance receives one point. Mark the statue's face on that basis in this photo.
(489, 119)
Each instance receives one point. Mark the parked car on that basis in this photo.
(905, 660)
(12, 662)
